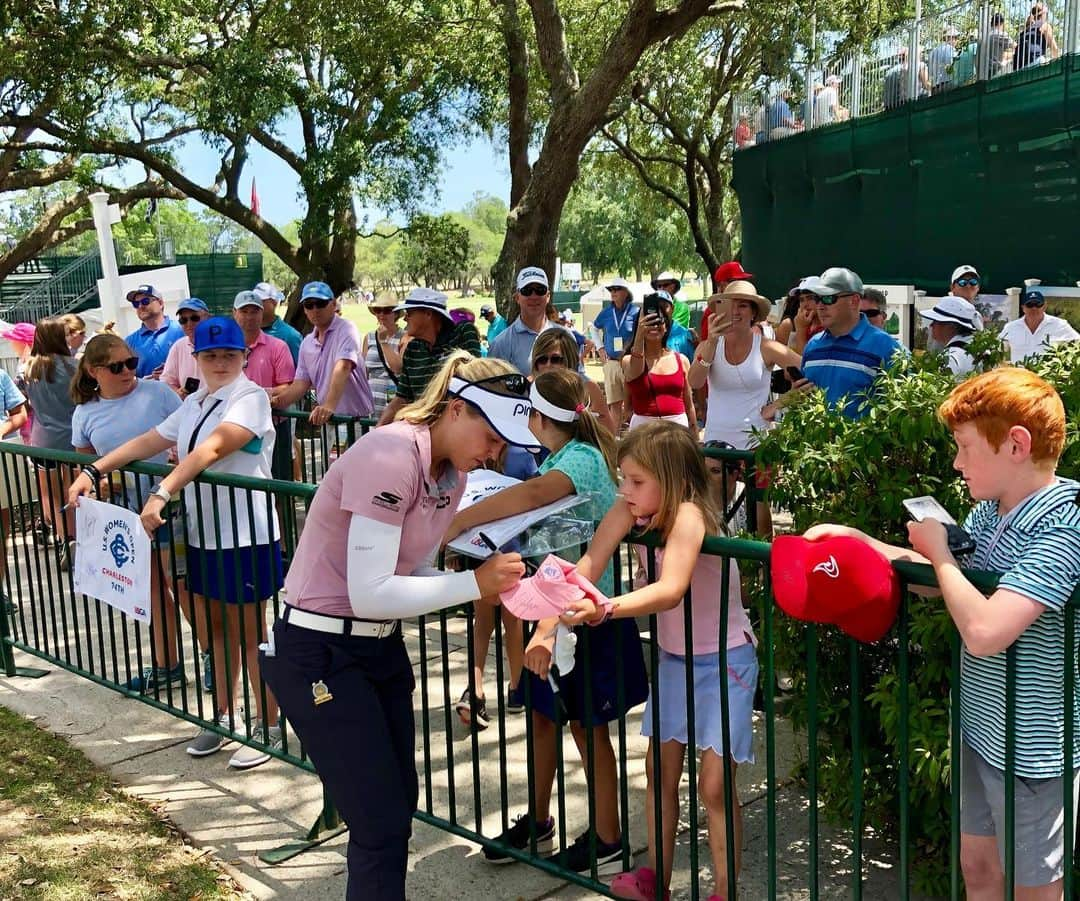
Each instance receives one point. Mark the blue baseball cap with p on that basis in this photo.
(192, 303)
(219, 333)
(317, 291)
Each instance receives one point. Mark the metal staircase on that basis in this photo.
(65, 291)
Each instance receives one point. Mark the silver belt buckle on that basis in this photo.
(384, 630)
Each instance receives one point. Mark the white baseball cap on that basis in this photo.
(532, 275)
(961, 271)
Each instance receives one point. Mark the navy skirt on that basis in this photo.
(608, 678)
(236, 575)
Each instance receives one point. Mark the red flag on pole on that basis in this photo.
(254, 198)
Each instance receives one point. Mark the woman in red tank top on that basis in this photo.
(655, 375)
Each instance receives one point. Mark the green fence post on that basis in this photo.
(327, 825)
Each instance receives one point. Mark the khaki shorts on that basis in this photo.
(17, 482)
(1039, 834)
(614, 383)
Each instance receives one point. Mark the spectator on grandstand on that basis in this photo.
(330, 361)
(556, 349)
(1010, 430)
(496, 324)
(181, 371)
(872, 305)
(112, 406)
(744, 134)
(778, 117)
(655, 376)
(433, 336)
(532, 296)
(364, 563)
(896, 89)
(669, 282)
(941, 60)
(152, 340)
(963, 69)
(382, 350)
(75, 329)
(953, 323)
(845, 358)
(48, 378)
(1033, 333)
(1036, 44)
(616, 324)
(827, 102)
(233, 561)
(271, 296)
(999, 48)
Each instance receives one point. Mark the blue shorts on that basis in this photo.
(604, 647)
(742, 675)
(240, 575)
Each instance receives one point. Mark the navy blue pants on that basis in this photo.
(362, 742)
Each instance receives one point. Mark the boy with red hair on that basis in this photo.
(1009, 427)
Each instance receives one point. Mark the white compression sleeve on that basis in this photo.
(376, 592)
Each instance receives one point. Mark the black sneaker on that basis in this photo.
(608, 857)
(517, 837)
(515, 699)
(472, 710)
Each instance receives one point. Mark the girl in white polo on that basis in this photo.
(338, 663)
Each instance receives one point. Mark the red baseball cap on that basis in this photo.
(840, 581)
(729, 272)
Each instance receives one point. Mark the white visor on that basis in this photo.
(507, 414)
(542, 405)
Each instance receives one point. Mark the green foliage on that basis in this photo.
(857, 472)
(436, 249)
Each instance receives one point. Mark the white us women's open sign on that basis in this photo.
(112, 561)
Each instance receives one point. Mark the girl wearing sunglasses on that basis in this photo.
(556, 348)
(112, 406)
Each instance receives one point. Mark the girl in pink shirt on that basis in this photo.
(665, 489)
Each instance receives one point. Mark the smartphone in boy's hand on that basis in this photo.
(926, 507)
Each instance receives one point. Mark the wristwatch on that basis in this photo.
(162, 493)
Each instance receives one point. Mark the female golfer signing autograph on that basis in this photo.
(338, 663)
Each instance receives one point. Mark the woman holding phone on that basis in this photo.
(736, 362)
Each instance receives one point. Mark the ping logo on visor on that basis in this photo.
(504, 402)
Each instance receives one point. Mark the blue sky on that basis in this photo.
(469, 167)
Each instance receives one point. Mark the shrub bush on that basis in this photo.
(857, 472)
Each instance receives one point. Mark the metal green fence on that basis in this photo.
(474, 781)
(310, 450)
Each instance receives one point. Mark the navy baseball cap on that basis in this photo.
(219, 333)
(192, 303)
(1032, 298)
(144, 291)
(317, 291)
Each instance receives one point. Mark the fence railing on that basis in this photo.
(60, 293)
(312, 449)
(474, 781)
(971, 41)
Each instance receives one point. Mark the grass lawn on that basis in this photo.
(68, 832)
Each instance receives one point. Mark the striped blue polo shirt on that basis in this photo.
(1036, 548)
(845, 367)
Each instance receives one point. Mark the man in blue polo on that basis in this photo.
(514, 344)
(845, 358)
(616, 323)
(157, 333)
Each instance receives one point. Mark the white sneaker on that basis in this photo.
(247, 757)
(207, 741)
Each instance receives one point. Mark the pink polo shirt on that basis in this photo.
(269, 362)
(383, 476)
(340, 341)
(180, 365)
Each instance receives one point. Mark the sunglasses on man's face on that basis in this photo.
(553, 359)
(873, 314)
(533, 291)
(1034, 303)
(142, 301)
(315, 304)
(964, 282)
(184, 320)
(119, 366)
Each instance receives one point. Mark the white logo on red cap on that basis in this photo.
(829, 567)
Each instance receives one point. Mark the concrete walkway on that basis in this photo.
(238, 814)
